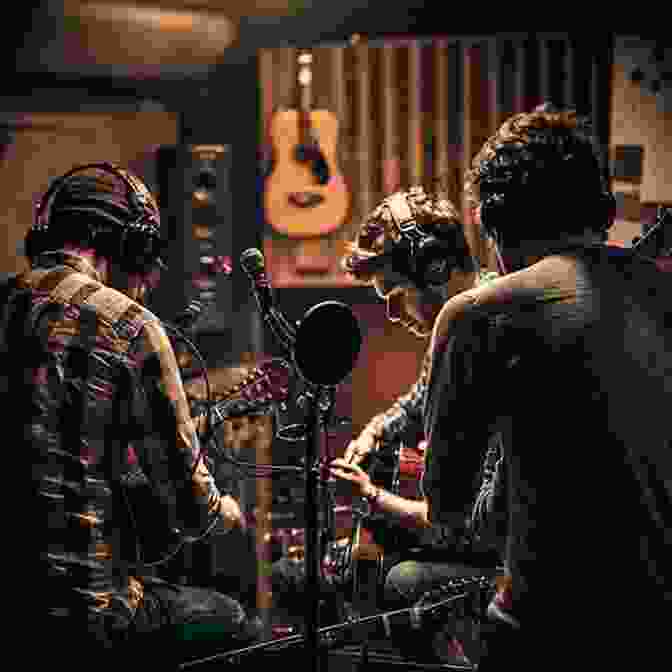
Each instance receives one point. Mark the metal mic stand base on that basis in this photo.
(330, 645)
(328, 639)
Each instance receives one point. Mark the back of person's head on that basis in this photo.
(101, 207)
(421, 234)
(539, 178)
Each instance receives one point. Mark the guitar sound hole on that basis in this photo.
(318, 164)
(305, 199)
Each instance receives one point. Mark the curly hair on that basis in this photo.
(378, 235)
(545, 166)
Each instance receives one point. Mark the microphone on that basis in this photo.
(253, 263)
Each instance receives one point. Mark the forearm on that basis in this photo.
(412, 512)
(170, 416)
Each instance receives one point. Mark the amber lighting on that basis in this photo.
(146, 36)
(149, 17)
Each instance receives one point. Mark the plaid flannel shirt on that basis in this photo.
(81, 447)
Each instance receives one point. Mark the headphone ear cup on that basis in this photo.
(433, 262)
(35, 242)
(137, 250)
(492, 214)
(402, 262)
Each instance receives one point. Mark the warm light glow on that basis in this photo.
(149, 17)
(148, 38)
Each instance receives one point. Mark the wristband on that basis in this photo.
(373, 497)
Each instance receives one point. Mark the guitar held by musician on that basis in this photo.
(158, 535)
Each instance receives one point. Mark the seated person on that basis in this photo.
(92, 375)
(418, 556)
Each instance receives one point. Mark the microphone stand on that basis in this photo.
(318, 403)
(312, 529)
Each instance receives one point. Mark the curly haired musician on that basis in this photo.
(415, 277)
(92, 375)
(578, 336)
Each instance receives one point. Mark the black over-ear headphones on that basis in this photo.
(419, 254)
(135, 243)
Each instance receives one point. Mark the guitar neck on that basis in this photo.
(264, 387)
(305, 82)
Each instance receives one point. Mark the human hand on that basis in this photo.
(349, 471)
(230, 512)
(360, 447)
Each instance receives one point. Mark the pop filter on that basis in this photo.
(327, 343)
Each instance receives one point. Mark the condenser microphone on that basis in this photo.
(253, 263)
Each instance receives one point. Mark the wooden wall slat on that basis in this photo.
(476, 123)
(389, 99)
(364, 138)
(414, 138)
(441, 112)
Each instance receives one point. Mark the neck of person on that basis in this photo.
(134, 285)
(532, 251)
(100, 264)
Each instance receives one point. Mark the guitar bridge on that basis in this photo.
(305, 199)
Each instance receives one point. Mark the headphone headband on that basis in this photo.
(140, 241)
(138, 197)
(427, 257)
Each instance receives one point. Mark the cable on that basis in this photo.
(181, 336)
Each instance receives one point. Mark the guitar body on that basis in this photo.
(296, 203)
(367, 571)
(150, 500)
(397, 468)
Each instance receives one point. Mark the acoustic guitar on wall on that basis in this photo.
(305, 195)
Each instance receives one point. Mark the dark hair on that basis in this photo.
(542, 174)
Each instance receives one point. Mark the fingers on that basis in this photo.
(359, 448)
(345, 470)
(343, 464)
(352, 452)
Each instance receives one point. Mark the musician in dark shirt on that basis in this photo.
(578, 336)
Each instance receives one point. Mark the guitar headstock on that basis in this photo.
(461, 595)
(268, 382)
(264, 386)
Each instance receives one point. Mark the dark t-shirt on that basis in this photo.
(576, 355)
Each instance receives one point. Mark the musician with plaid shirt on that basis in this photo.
(95, 376)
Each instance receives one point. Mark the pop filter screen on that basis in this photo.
(328, 341)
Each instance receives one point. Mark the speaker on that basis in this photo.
(194, 196)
